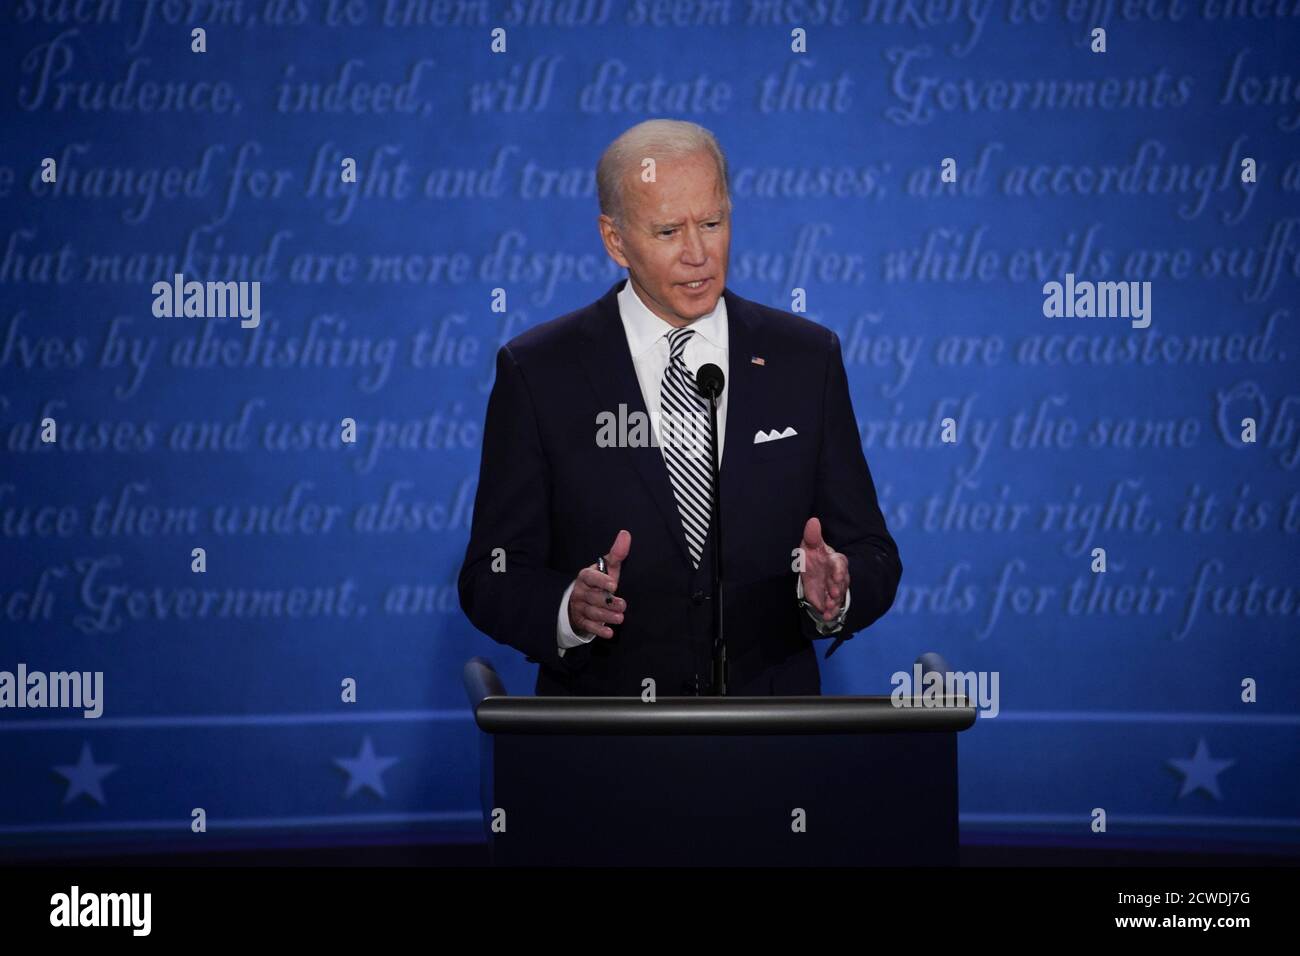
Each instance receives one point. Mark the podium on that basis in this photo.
(715, 781)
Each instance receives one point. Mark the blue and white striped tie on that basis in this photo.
(684, 431)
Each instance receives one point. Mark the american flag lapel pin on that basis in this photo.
(757, 360)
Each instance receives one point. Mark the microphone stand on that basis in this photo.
(719, 681)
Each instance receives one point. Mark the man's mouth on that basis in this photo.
(697, 284)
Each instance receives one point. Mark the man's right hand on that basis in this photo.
(592, 604)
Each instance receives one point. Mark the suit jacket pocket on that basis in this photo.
(782, 448)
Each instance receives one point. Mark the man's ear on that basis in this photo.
(613, 241)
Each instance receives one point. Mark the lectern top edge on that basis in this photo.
(716, 715)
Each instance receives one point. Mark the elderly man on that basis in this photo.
(806, 554)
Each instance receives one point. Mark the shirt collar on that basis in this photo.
(644, 328)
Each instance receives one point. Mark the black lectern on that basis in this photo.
(729, 781)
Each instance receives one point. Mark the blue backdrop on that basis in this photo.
(1169, 158)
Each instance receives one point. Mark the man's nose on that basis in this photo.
(693, 248)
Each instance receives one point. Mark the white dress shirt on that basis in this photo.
(647, 340)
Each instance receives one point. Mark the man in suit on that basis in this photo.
(806, 554)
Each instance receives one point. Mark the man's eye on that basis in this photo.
(712, 223)
(666, 232)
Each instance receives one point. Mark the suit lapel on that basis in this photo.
(744, 392)
(608, 365)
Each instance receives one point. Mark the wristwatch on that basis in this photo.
(823, 626)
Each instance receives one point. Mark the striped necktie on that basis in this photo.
(684, 431)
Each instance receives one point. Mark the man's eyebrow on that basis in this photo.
(716, 214)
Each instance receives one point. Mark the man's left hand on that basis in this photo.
(825, 575)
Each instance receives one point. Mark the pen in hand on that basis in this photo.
(603, 568)
(594, 607)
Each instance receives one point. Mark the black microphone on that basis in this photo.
(709, 380)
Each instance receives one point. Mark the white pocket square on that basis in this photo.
(761, 436)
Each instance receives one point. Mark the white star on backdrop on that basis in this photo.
(1201, 772)
(365, 770)
(85, 776)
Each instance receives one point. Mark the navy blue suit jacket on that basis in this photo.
(553, 500)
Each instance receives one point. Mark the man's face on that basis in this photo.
(676, 230)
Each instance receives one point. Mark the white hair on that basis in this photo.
(656, 138)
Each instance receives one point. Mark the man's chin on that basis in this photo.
(694, 307)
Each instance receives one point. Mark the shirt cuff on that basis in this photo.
(824, 627)
(565, 636)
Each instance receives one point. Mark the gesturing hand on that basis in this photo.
(592, 604)
(825, 574)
